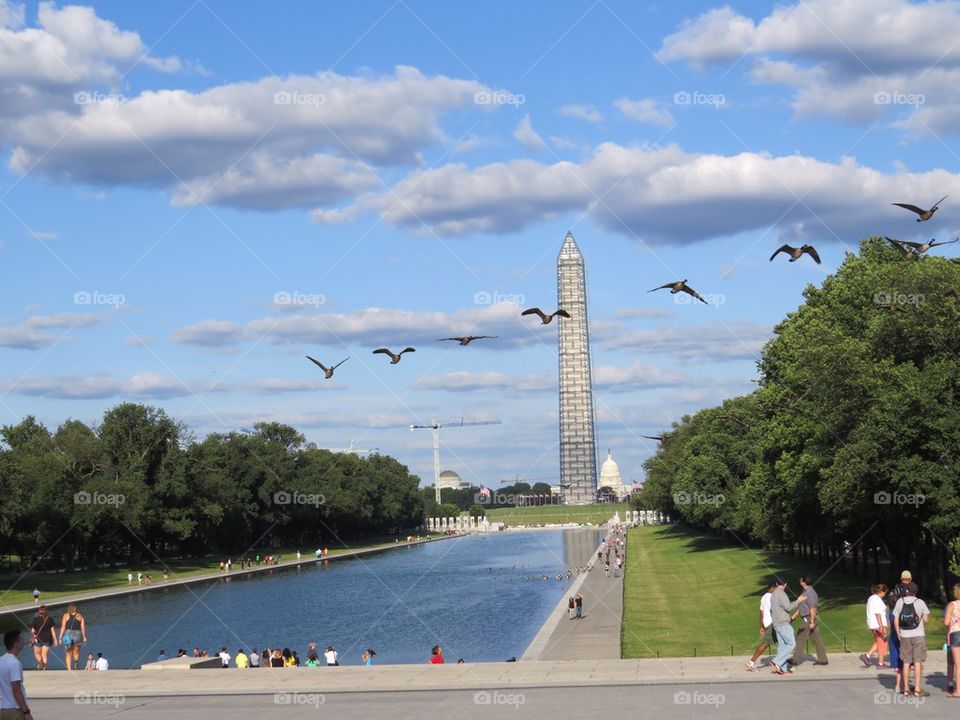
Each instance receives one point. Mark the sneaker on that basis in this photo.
(825, 662)
(776, 669)
(751, 665)
(865, 659)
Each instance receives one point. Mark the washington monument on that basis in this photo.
(578, 456)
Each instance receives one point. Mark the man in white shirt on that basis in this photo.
(102, 663)
(878, 626)
(225, 657)
(13, 698)
(331, 656)
(767, 635)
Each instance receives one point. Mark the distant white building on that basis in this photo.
(610, 476)
(449, 479)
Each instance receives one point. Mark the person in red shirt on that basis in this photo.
(437, 658)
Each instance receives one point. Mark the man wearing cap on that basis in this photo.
(898, 591)
(780, 608)
(809, 612)
(909, 616)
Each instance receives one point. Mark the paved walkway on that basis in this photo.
(595, 636)
(214, 575)
(468, 676)
(830, 700)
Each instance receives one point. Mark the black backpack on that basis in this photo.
(909, 618)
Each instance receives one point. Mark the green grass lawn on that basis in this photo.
(15, 589)
(686, 593)
(544, 514)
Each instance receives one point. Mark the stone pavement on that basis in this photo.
(298, 693)
(468, 676)
(595, 636)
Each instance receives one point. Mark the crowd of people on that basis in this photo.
(896, 620)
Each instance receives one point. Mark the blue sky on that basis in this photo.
(195, 195)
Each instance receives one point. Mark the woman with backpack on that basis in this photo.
(73, 634)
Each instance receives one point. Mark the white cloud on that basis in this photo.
(12, 15)
(71, 49)
(30, 335)
(283, 141)
(210, 333)
(718, 340)
(140, 385)
(659, 194)
(265, 183)
(587, 113)
(373, 326)
(527, 136)
(490, 380)
(845, 57)
(646, 110)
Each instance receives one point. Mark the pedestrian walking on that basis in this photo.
(578, 600)
(73, 634)
(571, 608)
(898, 591)
(877, 624)
(910, 614)
(952, 622)
(36, 595)
(13, 697)
(129, 578)
(767, 635)
(780, 609)
(43, 636)
(809, 612)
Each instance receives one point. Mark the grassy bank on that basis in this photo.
(687, 593)
(17, 589)
(544, 514)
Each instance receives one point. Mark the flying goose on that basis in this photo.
(662, 437)
(467, 339)
(796, 253)
(680, 286)
(923, 247)
(327, 372)
(544, 318)
(906, 254)
(394, 359)
(924, 214)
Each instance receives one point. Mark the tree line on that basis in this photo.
(140, 485)
(847, 450)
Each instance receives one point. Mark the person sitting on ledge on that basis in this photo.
(437, 656)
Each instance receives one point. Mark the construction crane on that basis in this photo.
(436, 427)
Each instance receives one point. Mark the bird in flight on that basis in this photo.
(923, 247)
(394, 359)
(797, 253)
(905, 253)
(662, 437)
(467, 339)
(327, 371)
(680, 286)
(544, 318)
(924, 214)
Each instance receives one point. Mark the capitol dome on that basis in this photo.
(610, 474)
